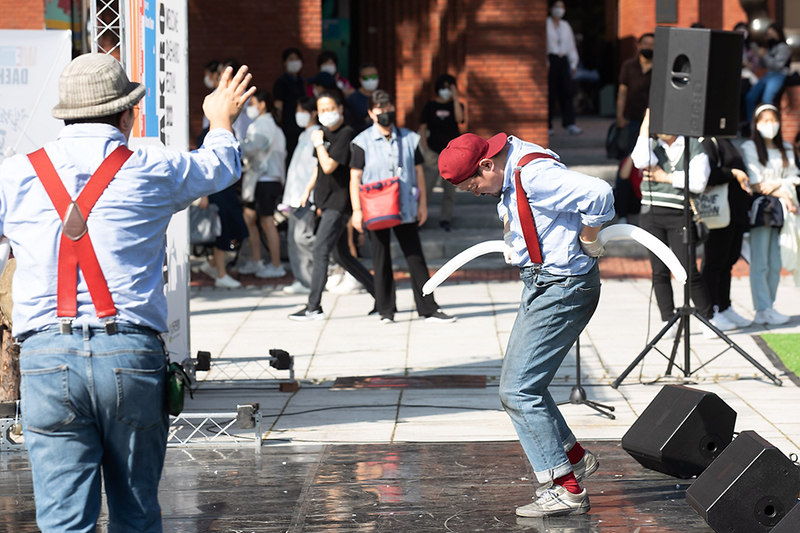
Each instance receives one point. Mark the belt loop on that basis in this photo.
(86, 332)
(65, 326)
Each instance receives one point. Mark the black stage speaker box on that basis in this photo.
(681, 432)
(790, 522)
(696, 82)
(750, 487)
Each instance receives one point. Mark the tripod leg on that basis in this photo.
(647, 348)
(600, 410)
(601, 406)
(736, 347)
(675, 345)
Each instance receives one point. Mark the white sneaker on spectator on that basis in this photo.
(671, 332)
(349, 285)
(707, 332)
(736, 318)
(271, 271)
(770, 317)
(721, 322)
(209, 270)
(251, 267)
(227, 282)
(335, 276)
(572, 129)
(296, 288)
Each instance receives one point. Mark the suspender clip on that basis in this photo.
(65, 325)
(110, 325)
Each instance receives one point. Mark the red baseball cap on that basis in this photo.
(460, 159)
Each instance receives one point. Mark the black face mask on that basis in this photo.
(771, 42)
(386, 118)
(647, 53)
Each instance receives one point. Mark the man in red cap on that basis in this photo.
(552, 237)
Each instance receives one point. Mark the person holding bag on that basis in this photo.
(772, 171)
(724, 244)
(386, 178)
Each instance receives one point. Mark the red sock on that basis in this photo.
(569, 482)
(575, 454)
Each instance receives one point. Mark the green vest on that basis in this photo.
(664, 194)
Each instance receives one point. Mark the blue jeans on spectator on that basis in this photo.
(94, 402)
(553, 312)
(765, 266)
(764, 92)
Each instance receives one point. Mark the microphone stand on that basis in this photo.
(578, 394)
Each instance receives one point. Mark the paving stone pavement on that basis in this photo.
(246, 323)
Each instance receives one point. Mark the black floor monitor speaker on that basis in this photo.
(750, 487)
(681, 432)
(696, 82)
(790, 523)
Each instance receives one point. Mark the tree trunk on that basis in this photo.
(9, 374)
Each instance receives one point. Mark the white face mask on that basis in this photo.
(208, 82)
(558, 12)
(370, 84)
(315, 91)
(329, 118)
(445, 93)
(330, 68)
(252, 112)
(768, 130)
(302, 118)
(294, 66)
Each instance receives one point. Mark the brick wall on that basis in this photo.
(253, 31)
(22, 14)
(790, 113)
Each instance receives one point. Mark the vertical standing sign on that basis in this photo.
(156, 35)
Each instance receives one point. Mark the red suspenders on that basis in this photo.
(76, 248)
(524, 209)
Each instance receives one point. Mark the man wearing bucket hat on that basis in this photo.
(88, 291)
(551, 217)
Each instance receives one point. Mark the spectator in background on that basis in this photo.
(776, 58)
(797, 149)
(264, 149)
(241, 124)
(285, 92)
(358, 102)
(627, 191)
(234, 232)
(562, 63)
(750, 60)
(381, 152)
(438, 126)
(634, 88)
(771, 171)
(302, 219)
(328, 61)
(211, 74)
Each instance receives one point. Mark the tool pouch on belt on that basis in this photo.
(177, 384)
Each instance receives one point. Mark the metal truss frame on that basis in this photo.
(107, 21)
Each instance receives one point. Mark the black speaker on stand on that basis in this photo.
(694, 91)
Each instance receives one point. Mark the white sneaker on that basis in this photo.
(227, 282)
(349, 285)
(736, 318)
(584, 468)
(556, 501)
(296, 288)
(572, 129)
(671, 332)
(271, 271)
(251, 267)
(707, 332)
(721, 322)
(770, 317)
(209, 270)
(335, 277)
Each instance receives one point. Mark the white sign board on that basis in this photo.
(30, 63)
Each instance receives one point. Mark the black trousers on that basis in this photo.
(331, 238)
(722, 250)
(667, 225)
(559, 87)
(408, 237)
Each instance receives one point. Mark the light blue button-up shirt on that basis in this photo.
(127, 225)
(562, 202)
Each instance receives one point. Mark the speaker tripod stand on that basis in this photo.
(578, 394)
(687, 310)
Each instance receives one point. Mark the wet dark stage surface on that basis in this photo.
(457, 487)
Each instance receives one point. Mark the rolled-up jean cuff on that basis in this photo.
(554, 473)
(569, 443)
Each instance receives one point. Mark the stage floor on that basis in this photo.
(408, 488)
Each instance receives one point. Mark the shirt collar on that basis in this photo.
(94, 130)
(677, 144)
(377, 135)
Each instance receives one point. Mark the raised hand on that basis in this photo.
(222, 107)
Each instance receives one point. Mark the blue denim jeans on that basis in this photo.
(93, 402)
(764, 92)
(765, 266)
(553, 312)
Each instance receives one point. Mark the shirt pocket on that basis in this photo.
(140, 396)
(45, 399)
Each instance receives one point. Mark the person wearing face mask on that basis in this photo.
(439, 124)
(381, 152)
(328, 62)
(773, 176)
(634, 87)
(358, 102)
(776, 58)
(264, 150)
(211, 74)
(562, 64)
(302, 220)
(285, 91)
(331, 187)
(663, 186)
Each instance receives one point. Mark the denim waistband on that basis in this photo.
(122, 329)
